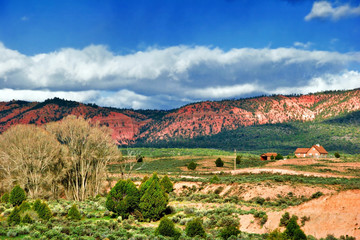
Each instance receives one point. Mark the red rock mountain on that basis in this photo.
(204, 118)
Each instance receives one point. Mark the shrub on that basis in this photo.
(229, 231)
(299, 234)
(27, 219)
(24, 206)
(140, 158)
(167, 184)
(259, 200)
(74, 213)
(195, 228)
(5, 198)
(14, 217)
(218, 190)
(279, 156)
(262, 216)
(293, 229)
(227, 221)
(219, 162)
(37, 205)
(337, 155)
(342, 237)
(154, 201)
(44, 211)
(285, 218)
(317, 195)
(304, 219)
(123, 198)
(276, 235)
(167, 228)
(214, 179)
(17, 196)
(238, 159)
(192, 165)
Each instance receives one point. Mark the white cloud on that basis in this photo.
(344, 81)
(7, 94)
(303, 45)
(221, 92)
(165, 77)
(324, 9)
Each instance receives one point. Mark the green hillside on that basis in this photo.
(340, 134)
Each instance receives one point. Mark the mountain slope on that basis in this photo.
(194, 121)
(208, 118)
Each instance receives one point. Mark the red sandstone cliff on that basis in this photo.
(196, 119)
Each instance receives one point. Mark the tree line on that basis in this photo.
(67, 157)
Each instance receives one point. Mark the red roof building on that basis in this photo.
(314, 151)
(267, 156)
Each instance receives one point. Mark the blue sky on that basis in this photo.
(164, 54)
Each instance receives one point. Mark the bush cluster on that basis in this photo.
(195, 228)
(149, 202)
(167, 228)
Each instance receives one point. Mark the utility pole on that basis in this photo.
(235, 159)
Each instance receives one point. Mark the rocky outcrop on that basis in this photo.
(204, 118)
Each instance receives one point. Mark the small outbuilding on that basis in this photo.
(267, 156)
(315, 151)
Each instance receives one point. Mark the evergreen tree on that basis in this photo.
(195, 228)
(145, 185)
(123, 198)
(229, 231)
(192, 165)
(299, 235)
(167, 228)
(74, 213)
(14, 217)
(37, 205)
(293, 229)
(24, 206)
(27, 219)
(276, 235)
(153, 202)
(238, 159)
(219, 162)
(17, 196)
(44, 212)
(5, 198)
(285, 218)
(167, 184)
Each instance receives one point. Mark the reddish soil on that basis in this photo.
(248, 191)
(282, 171)
(337, 214)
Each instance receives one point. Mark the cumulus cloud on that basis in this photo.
(7, 94)
(165, 77)
(324, 9)
(344, 81)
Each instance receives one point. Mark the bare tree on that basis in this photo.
(89, 149)
(28, 155)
